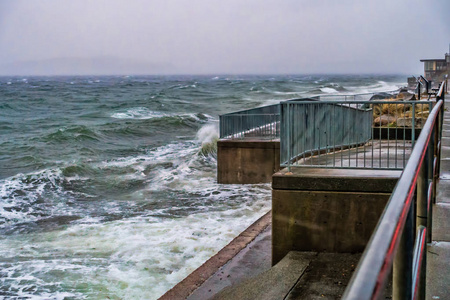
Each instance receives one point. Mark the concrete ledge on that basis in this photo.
(249, 143)
(188, 285)
(348, 180)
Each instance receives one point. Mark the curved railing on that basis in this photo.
(397, 244)
(261, 122)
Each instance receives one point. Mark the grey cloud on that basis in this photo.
(211, 36)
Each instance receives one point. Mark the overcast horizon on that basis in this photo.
(140, 37)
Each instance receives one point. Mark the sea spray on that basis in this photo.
(208, 135)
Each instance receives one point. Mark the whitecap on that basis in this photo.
(138, 113)
(328, 90)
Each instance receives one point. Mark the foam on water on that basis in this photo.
(328, 90)
(137, 258)
(138, 113)
(21, 196)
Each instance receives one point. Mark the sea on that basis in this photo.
(108, 183)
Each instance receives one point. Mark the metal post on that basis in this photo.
(288, 136)
(418, 90)
(422, 192)
(403, 262)
(422, 207)
(413, 129)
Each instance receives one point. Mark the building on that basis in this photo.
(436, 70)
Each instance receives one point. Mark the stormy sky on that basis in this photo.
(221, 37)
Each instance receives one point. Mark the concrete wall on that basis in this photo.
(247, 161)
(327, 210)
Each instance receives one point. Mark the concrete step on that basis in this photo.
(299, 275)
(272, 284)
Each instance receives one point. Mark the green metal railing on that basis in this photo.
(261, 122)
(358, 97)
(350, 134)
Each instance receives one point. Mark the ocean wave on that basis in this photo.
(138, 113)
(78, 133)
(143, 113)
(328, 90)
(23, 197)
(379, 86)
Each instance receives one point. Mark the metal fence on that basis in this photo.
(398, 243)
(359, 97)
(350, 134)
(261, 122)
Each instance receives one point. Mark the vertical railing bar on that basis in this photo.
(396, 135)
(404, 139)
(372, 135)
(343, 135)
(288, 137)
(334, 137)
(388, 136)
(379, 145)
(403, 261)
(349, 140)
(419, 261)
(355, 130)
(413, 125)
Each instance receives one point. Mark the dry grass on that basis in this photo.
(400, 110)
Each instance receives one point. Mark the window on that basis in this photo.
(430, 65)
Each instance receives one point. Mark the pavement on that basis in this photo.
(438, 255)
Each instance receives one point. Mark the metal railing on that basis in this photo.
(261, 122)
(359, 97)
(350, 134)
(398, 242)
(264, 122)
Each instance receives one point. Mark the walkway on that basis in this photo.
(438, 264)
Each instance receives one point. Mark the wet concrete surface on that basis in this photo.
(250, 262)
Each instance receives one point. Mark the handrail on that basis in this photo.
(370, 278)
(441, 93)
